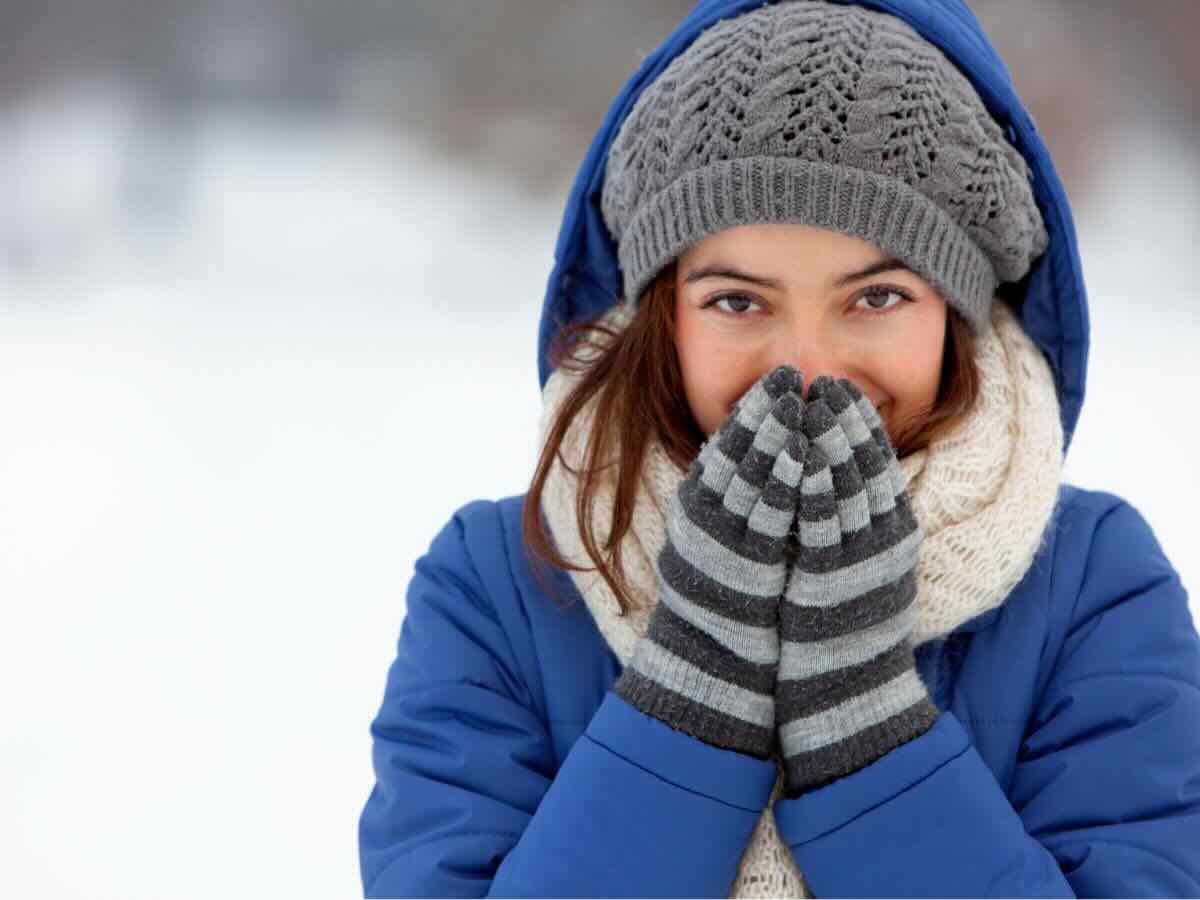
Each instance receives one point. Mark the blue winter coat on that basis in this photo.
(1066, 761)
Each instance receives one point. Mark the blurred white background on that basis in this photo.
(270, 276)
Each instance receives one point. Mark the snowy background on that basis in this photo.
(252, 357)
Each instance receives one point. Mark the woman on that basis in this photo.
(844, 630)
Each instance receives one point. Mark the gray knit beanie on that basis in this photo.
(829, 115)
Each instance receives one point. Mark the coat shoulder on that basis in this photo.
(1089, 525)
(493, 537)
(1096, 547)
(1108, 555)
(1084, 502)
(482, 546)
(548, 633)
(480, 535)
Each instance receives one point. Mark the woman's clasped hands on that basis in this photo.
(786, 588)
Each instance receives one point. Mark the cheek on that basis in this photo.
(931, 347)
(911, 370)
(714, 374)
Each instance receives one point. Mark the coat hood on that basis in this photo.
(1052, 306)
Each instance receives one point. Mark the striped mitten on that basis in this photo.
(708, 661)
(848, 688)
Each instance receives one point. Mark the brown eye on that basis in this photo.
(882, 295)
(738, 304)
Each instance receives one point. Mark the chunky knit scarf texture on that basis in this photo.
(983, 494)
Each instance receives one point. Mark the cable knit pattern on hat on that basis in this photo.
(984, 496)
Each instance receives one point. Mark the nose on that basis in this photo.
(812, 356)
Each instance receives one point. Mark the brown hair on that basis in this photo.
(635, 375)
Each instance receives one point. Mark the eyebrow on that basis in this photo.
(719, 270)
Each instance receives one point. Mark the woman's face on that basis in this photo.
(751, 298)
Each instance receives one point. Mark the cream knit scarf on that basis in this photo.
(983, 495)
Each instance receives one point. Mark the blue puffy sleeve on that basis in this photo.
(1109, 774)
(469, 799)
(461, 761)
(1105, 795)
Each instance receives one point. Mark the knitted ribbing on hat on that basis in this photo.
(984, 495)
(830, 115)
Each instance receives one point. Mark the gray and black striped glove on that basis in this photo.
(848, 689)
(708, 662)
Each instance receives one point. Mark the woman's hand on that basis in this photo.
(848, 690)
(708, 662)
